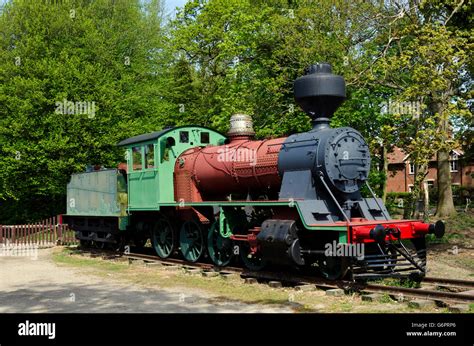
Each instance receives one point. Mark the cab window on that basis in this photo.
(205, 137)
(150, 156)
(137, 158)
(183, 136)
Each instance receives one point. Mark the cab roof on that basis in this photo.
(154, 135)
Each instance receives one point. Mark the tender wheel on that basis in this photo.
(191, 241)
(163, 238)
(119, 245)
(84, 244)
(332, 267)
(100, 245)
(252, 261)
(219, 248)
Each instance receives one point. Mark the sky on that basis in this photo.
(170, 5)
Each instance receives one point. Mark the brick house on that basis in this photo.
(401, 171)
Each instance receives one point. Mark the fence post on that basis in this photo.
(60, 235)
(42, 232)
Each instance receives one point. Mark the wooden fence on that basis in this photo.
(49, 232)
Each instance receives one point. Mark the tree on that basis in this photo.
(75, 78)
(247, 54)
(424, 60)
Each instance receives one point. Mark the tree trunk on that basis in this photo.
(418, 195)
(445, 193)
(426, 201)
(385, 172)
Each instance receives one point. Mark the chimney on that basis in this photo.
(320, 93)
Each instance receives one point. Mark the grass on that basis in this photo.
(385, 298)
(398, 282)
(463, 221)
(449, 238)
(459, 230)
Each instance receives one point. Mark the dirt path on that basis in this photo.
(28, 285)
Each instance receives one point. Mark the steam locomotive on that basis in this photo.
(295, 200)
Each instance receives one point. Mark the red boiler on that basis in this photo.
(242, 166)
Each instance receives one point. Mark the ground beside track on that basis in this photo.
(50, 285)
(63, 282)
(453, 256)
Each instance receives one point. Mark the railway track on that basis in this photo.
(450, 282)
(297, 279)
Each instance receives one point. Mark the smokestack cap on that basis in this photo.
(320, 92)
(241, 125)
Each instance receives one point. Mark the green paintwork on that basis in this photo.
(230, 218)
(148, 188)
(97, 193)
(123, 222)
(343, 237)
(224, 228)
(221, 204)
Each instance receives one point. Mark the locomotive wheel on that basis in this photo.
(163, 238)
(332, 267)
(191, 241)
(253, 262)
(219, 248)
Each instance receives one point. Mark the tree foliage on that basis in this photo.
(216, 58)
(79, 51)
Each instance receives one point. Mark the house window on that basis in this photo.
(411, 168)
(453, 164)
(410, 187)
(430, 184)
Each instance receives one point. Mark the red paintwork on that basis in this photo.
(251, 238)
(214, 172)
(359, 231)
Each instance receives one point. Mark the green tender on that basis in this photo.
(97, 193)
